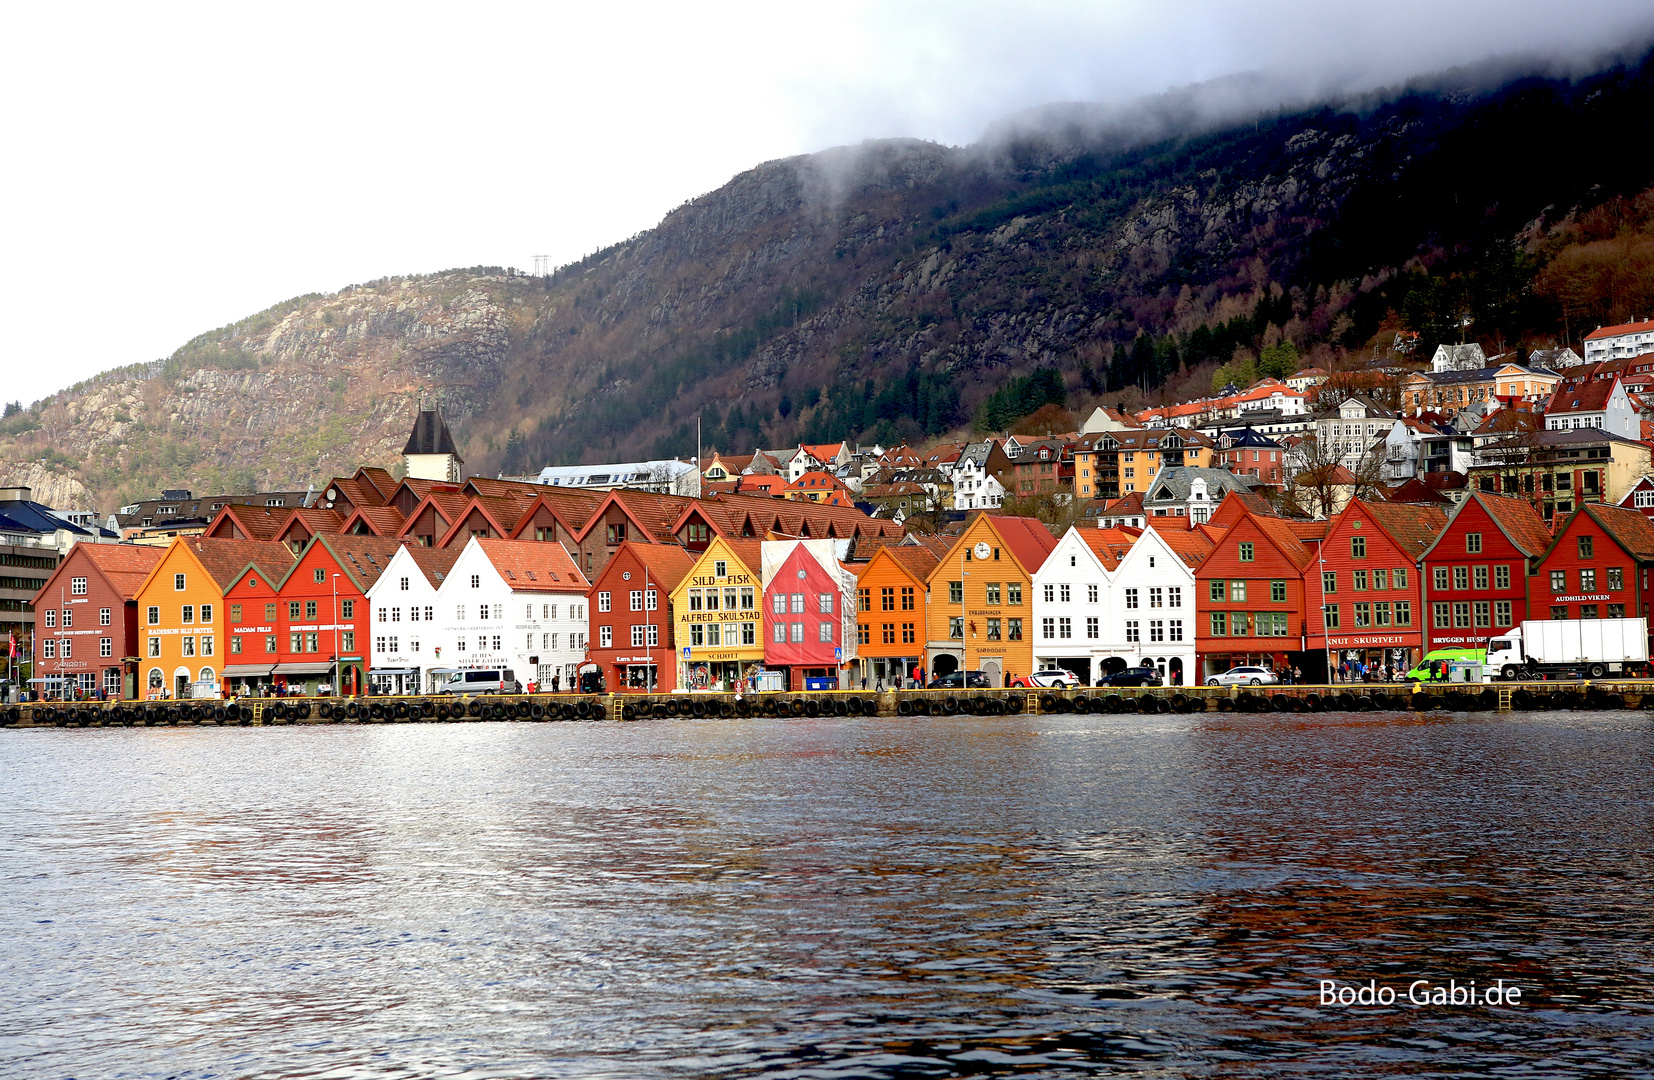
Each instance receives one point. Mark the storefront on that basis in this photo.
(395, 682)
(246, 679)
(718, 623)
(301, 678)
(638, 674)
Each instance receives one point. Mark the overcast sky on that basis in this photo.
(171, 168)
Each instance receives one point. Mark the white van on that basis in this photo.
(494, 681)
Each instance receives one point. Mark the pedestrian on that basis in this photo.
(864, 682)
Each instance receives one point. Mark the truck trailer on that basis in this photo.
(1581, 648)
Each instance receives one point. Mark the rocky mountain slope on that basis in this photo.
(883, 290)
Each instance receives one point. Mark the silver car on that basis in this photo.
(1246, 676)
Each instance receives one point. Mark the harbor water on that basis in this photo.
(1068, 895)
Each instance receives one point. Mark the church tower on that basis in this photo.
(430, 453)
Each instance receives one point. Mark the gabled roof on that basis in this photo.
(501, 512)
(364, 559)
(449, 506)
(667, 564)
(1582, 395)
(1286, 538)
(254, 522)
(1129, 505)
(529, 566)
(1516, 518)
(1411, 528)
(1191, 545)
(1109, 545)
(1416, 491)
(226, 559)
(433, 562)
(384, 521)
(124, 566)
(1028, 538)
(916, 560)
(1631, 529)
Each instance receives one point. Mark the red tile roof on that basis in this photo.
(534, 566)
(1192, 545)
(1413, 528)
(1028, 538)
(1631, 529)
(125, 565)
(1518, 519)
(1623, 328)
(1581, 395)
(667, 564)
(1109, 545)
(434, 562)
(225, 559)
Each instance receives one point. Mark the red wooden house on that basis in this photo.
(322, 611)
(88, 612)
(809, 600)
(1363, 601)
(1250, 596)
(1600, 566)
(639, 581)
(1475, 573)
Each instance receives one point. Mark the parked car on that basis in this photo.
(1133, 676)
(1060, 678)
(495, 681)
(1246, 676)
(958, 680)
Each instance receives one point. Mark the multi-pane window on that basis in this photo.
(1358, 580)
(1587, 545)
(956, 627)
(1091, 627)
(1237, 591)
(605, 636)
(637, 636)
(1132, 633)
(1399, 578)
(1439, 616)
(1461, 577)
(1050, 594)
(1277, 592)
(797, 599)
(864, 599)
(825, 630)
(1013, 629)
(77, 586)
(1363, 614)
(1329, 616)
(1157, 598)
(907, 595)
(106, 646)
(1381, 579)
(1473, 543)
(1616, 578)
(1174, 596)
(1013, 593)
(1501, 613)
(1559, 581)
(1381, 613)
(636, 598)
(1091, 594)
(1329, 581)
(1157, 630)
(1217, 590)
(1063, 593)
(1404, 613)
(1501, 577)
(1245, 551)
(887, 598)
(1065, 627)
(605, 600)
(1048, 627)
(1131, 598)
(1220, 624)
(1358, 547)
(1440, 575)
(1479, 576)
(956, 592)
(1461, 614)
(1588, 580)
(1174, 630)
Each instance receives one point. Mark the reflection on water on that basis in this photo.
(1062, 896)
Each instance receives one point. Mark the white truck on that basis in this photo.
(1588, 648)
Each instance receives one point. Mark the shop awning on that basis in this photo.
(445, 670)
(394, 671)
(245, 671)
(303, 669)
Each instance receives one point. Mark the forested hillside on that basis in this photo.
(901, 289)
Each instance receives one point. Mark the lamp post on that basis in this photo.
(648, 649)
(335, 584)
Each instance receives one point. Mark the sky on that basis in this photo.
(171, 168)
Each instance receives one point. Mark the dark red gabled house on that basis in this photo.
(1600, 566)
(1250, 598)
(1363, 586)
(1476, 573)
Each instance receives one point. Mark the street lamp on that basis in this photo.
(336, 636)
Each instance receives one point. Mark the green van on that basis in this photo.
(1427, 671)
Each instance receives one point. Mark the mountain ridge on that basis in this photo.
(881, 290)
